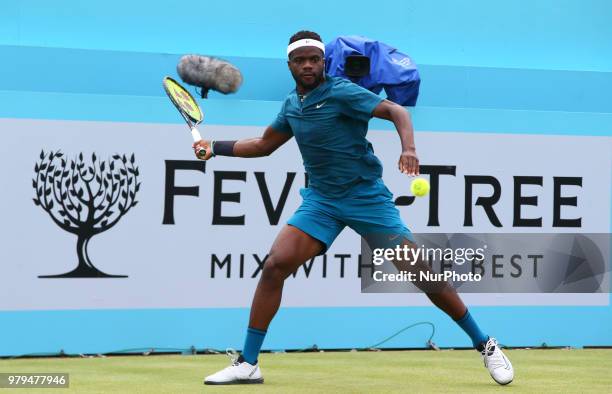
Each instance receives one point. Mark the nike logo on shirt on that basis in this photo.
(320, 105)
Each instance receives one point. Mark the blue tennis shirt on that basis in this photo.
(330, 127)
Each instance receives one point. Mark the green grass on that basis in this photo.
(539, 371)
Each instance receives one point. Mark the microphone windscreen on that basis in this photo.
(209, 73)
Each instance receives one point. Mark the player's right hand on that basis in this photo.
(205, 144)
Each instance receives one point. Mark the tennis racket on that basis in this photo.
(187, 107)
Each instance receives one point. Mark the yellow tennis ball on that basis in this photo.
(419, 187)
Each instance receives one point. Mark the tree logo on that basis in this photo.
(85, 201)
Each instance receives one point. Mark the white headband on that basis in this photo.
(306, 42)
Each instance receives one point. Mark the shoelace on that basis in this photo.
(493, 355)
(233, 355)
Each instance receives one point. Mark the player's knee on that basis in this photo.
(274, 269)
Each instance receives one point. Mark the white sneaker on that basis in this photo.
(497, 363)
(237, 373)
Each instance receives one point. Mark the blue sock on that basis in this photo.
(468, 324)
(252, 345)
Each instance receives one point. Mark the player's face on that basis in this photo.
(307, 65)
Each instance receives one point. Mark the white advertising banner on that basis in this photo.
(124, 217)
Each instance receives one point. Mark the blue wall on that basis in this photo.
(538, 67)
(541, 34)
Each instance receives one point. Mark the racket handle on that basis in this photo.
(198, 137)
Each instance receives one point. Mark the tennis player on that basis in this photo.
(329, 117)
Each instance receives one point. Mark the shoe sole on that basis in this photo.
(241, 381)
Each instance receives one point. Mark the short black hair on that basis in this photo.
(302, 34)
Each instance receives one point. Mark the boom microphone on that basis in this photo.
(209, 73)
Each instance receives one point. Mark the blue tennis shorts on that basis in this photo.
(368, 209)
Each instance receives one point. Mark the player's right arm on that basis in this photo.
(270, 141)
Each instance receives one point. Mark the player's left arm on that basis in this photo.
(408, 162)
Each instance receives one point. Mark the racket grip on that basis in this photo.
(198, 137)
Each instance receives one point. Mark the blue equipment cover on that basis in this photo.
(389, 68)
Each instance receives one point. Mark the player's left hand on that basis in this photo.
(409, 162)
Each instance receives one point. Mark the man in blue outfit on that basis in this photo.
(329, 117)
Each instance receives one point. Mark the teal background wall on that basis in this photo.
(541, 34)
(536, 67)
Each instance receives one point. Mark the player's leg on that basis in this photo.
(310, 231)
(440, 293)
(289, 251)
(373, 212)
(445, 297)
